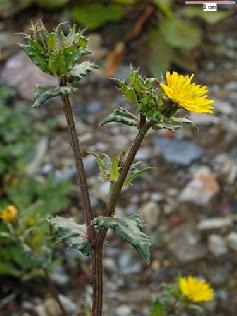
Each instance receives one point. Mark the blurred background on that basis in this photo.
(188, 202)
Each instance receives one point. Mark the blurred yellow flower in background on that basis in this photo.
(186, 94)
(195, 289)
(9, 213)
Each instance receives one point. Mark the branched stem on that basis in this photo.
(76, 148)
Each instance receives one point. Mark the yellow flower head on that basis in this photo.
(186, 94)
(9, 214)
(195, 289)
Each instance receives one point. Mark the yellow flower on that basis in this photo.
(186, 94)
(9, 214)
(195, 289)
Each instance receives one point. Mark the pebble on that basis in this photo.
(214, 223)
(150, 213)
(178, 151)
(232, 240)
(185, 243)
(144, 154)
(21, 64)
(51, 307)
(123, 310)
(219, 274)
(217, 245)
(68, 304)
(127, 264)
(59, 276)
(201, 189)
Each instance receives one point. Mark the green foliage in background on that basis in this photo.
(25, 248)
(175, 38)
(17, 134)
(178, 35)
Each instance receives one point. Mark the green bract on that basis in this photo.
(56, 52)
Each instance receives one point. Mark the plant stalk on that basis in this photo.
(97, 272)
(117, 188)
(76, 148)
(115, 194)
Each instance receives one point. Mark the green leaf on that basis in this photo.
(71, 234)
(180, 33)
(136, 170)
(130, 229)
(109, 168)
(125, 2)
(198, 309)
(51, 3)
(9, 269)
(157, 309)
(161, 53)
(174, 123)
(120, 115)
(114, 172)
(209, 17)
(44, 93)
(81, 70)
(95, 15)
(164, 6)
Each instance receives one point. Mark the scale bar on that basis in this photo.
(212, 1)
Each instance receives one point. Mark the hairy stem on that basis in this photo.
(97, 272)
(76, 148)
(117, 188)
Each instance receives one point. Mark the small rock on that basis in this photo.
(21, 64)
(40, 310)
(214, 223)
(144, 154)
(224, 107)
(201, 189)
(179, 151)
(217, 245)
(59, 276)
(65, 174)
(68, 304)
(222, 294)
(46, 169)
(123, 310)
(89, 162)
(232, 240)
(204, 119)
(150, 213)
(52, 308)
(185, 243)
(127, 264)
(219, 274)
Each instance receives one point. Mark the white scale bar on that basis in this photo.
(207, 2)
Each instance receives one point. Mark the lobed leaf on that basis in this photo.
(71, 234)
(80, 71)
(136, 170)
(44, 93)
(109, 168)
(130, 229)
(174, 123)
(120, 115)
